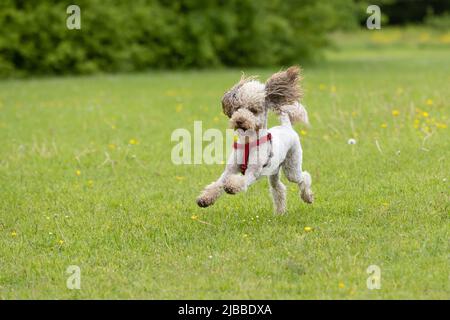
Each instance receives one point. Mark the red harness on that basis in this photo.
(247, 146)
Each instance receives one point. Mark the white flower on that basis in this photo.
(351, 141)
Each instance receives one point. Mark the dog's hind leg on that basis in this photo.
(292, 168)
(278, 190)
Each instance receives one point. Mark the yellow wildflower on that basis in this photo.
(78, 173)
(425, 114)
(179, 178)
(133, 141)
(60, 242)
(179, 108)
(90, 183)
(194, 217)
(308, 229)
(216, 119)
(441, 125)
(341, 285)
(395, 113)
(322, 86)
(13, 234)
(429, 102)
(112, 146)
(303, 132)
(333, 89)
(384, 125)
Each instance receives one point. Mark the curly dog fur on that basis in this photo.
(247, 104)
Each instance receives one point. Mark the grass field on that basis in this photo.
(86, 179)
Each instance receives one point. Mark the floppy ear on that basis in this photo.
(283, 88)
(231, 98)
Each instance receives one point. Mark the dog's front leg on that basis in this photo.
(237, 183)
(214, 190)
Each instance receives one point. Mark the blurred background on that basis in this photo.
(124, 36)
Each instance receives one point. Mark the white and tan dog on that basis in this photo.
(263, 152)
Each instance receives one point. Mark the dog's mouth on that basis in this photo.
(243, 119)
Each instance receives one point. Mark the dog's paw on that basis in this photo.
(307, 196)
(203, 202)
(234, 184)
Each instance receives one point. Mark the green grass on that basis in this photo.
(126, 220)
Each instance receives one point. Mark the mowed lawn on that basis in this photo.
(86, 179)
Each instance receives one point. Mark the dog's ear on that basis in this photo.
(283, 88)
(231, 98)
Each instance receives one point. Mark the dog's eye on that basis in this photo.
(253, 110)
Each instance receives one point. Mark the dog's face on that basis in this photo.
(245, 105)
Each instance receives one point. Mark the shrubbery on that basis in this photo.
(119, 36)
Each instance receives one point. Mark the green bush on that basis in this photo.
(438, 22)
(120, 36)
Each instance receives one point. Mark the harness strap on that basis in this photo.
(247, 146)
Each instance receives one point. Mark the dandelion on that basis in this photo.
(90, 183)
(429, 102)
(13, 234)
(385, 204)
(395, 113)
(60, 242)
(194, 217)
(341, 285)
(425, 114)
(303, 132)
(307, 229)
(441, 125)
(133, 141)
(78, 173)
(384, 125)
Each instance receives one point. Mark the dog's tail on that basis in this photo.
(292, 113)
(283, 93)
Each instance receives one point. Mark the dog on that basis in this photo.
(263, 152)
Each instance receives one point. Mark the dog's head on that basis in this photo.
(247, 102)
